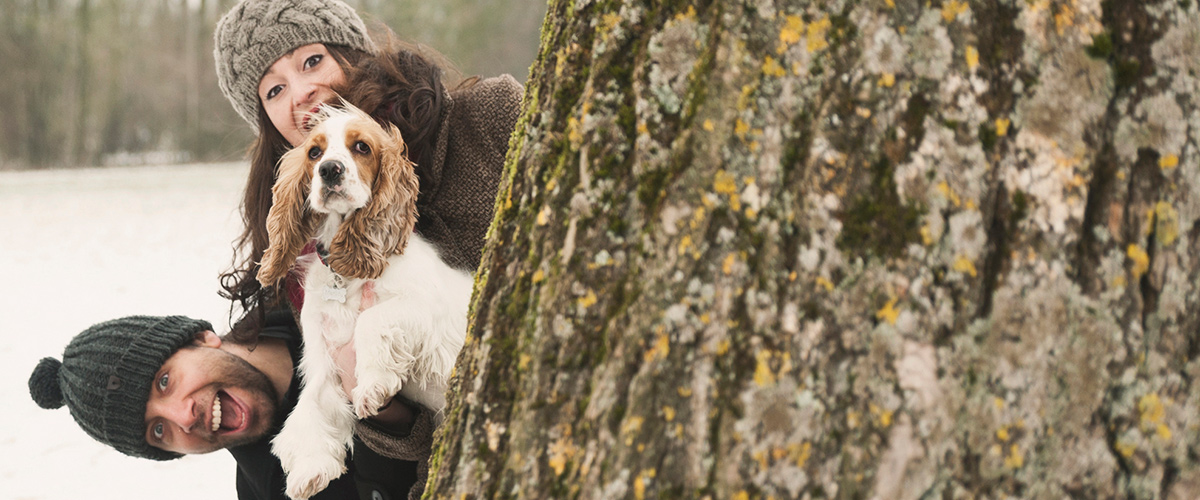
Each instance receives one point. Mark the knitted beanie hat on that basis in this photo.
(105, 375)
(255, 33)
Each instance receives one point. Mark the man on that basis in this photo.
(161, 387)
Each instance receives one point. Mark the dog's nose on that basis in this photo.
(331, 172)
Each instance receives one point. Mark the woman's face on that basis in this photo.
(295, 85)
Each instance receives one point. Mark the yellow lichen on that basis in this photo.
(887, 80)
(573, 133)
(724, 183)
(639, 484)
(1002, 433)
(685, 243)
(609, 21)
(1015, 459)
(801, 453)
(588, 300)
(632, 426)
(543, 216)
(949, 193)
(883, 417)
(1002, 126)
(708, 126)
(661, 347)
(668, 413)
(538, 276)
(685, 392)
(763, 376)
(789, 35)
(741, 128)
(559, 453)
(1166, 223)
(972, 57)
(816, 35)
(1168, 162)
(824, 283)
(1151, 411)
(965, 266)
(1140, 259)
(771, 67)
(888, 313)
(952, 8)
(1063, 18)
(1125, 449)
(722, 347)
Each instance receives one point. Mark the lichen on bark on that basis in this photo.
(883, 249)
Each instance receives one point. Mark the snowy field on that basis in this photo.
(83, 246)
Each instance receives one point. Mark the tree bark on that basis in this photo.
(882, 249)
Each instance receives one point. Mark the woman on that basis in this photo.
(276, 62)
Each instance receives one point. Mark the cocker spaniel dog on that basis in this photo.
(376, 284)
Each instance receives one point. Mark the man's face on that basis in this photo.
(204, 399)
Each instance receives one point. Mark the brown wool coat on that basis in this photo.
(455, 206)
(458, 191)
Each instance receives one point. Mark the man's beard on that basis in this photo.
(230, 371)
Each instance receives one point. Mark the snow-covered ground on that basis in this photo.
(82, 246)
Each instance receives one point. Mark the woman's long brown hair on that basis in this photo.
(403, 85)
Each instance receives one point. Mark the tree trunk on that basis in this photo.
(882, 249)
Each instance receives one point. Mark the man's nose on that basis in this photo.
(183, 414)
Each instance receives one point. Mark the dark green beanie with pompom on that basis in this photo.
(105, 375)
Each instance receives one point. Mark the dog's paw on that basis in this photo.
(308, 477)
(307, 460)
(369, 398)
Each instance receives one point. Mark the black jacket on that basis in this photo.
(369, 475)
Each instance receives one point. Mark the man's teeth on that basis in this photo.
(216, 412)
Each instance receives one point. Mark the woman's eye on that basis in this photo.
(314, 153)
(362, 148)
(158, 430)
(273, 92)
(162, 382)
(313, 60)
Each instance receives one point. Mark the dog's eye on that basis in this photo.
(362, 148)
(314, 153)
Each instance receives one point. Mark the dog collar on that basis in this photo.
(323, 254)
(335, 291)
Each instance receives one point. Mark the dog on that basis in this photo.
(351, 186)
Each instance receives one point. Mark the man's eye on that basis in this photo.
(313, 60)
(158, 430)
(273, 92)
(362, 148)
(314, 153)
(162, 382)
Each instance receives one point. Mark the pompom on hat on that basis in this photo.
(256, 33)
(105, 375)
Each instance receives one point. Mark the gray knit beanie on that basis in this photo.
(105, 377)
(256, 33)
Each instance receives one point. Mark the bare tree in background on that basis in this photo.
(101, 81)
(883, 249)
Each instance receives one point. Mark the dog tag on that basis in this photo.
(333, 293)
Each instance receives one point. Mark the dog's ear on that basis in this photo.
(289, 225)
(380, 229)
